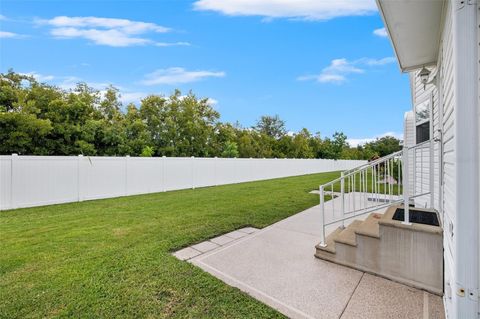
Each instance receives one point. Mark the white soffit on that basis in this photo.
(414, 28)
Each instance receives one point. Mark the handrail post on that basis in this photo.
(322, 218)
(431, 173)
(342, 194)
(406, 186)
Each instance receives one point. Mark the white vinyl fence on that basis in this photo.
(27, 181)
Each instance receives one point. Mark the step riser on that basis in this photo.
(368, 248)
(421, 262)
(411, 256)
(347, 253)
(331, 258)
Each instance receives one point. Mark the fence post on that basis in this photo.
(215, 161)
(13, 167)
(250, 170)
(79, 177)
(406, 188)
(164, 159)
(127, 160)
(265, 171)
(193, 171)
(236, 179)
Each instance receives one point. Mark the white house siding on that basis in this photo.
(443, 123)
(409, 141)
(456, 165)
(478, 84)
(421, 159)
(447, 92)
(409, 129)
(466, 146)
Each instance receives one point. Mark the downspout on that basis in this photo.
(466, 238)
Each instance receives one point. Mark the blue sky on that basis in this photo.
(320, 64)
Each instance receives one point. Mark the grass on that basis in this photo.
(348, 187)
(112, 258)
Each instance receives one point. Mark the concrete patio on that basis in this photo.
(276, 265)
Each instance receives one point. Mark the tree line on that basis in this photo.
(41, 119)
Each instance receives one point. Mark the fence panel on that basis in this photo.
(27, 181)
(43, 180)
(145, 175)
(102, 177)
(205, 172)
(5, 181)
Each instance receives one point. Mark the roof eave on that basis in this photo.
(408, 67)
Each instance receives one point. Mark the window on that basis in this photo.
(423, 132)
(422, 121)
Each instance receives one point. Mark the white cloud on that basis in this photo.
(39, 77)
(10, 35)
(177, 75)
(339, 69)
(132, 97)
(114, 38)
(382, 32)
(127, 26)
(2, 17)
(336, 72)
(107, 31)
(70, 83)
(296, 9)
(212, 102)
(127, 95)
(374, 62)
(65, 82)
(171, 44)
(354, 142)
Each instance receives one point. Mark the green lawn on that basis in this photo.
(381, 188)
(112, 258)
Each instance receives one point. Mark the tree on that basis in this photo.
(271, 126)
(301, 145)
(383, 146)
(223, 133)
(11, 89)
(110, 106)
(230, 150)
(23, 133)
(248, 144)
(40, 119)
(147, 151)
(339, 143)
(137, 136)
(332, 148)
(180, 125)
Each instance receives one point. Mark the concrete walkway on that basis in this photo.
(276, 265)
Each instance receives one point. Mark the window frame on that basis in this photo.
(429, 102)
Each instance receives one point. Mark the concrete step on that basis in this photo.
(347, 236)
(330, 242)
(383, 246)
(369, 226)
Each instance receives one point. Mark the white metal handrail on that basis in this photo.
(398, 153)
(374, 162)
(375, 185)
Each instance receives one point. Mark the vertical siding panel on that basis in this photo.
(420, 163)
(444, 126)
(448, 149)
